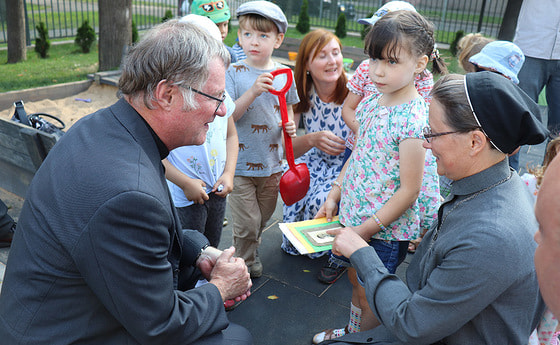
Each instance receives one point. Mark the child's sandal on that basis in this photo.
(329, 334)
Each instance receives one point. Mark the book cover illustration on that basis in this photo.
(310, 236)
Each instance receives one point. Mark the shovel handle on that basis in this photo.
(284, 112)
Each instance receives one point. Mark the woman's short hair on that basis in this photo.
(173, 51)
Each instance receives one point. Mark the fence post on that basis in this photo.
(444, 13)
(481, 17)
(27, 37)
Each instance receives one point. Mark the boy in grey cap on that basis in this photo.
(259, 165)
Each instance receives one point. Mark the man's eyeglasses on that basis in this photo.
(219, 100)
(211, 6)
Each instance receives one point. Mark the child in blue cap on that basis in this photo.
(502, 57)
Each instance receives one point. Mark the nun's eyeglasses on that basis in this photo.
(428, 134)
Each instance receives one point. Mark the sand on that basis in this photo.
(70, 109)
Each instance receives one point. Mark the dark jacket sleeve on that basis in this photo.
(193, 243)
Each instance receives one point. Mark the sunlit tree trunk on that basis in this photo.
(115, 32)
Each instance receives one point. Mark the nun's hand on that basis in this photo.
(346, 241)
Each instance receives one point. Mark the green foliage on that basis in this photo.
(42, 42)
(85, 37)
(303, 25)
(366, 27)
(134, 32)
(168, 15)
(340, 29)
(453, 46)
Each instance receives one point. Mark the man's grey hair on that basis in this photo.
(176, 52)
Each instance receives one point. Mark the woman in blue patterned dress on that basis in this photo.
(321, 85)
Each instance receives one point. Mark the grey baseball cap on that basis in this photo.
(266, 9)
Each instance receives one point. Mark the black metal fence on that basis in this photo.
(448, 16)
(64, 17)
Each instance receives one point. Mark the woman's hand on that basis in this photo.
(346, 241)
(329, 143)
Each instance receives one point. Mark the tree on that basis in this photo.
(15, 17)
(115, 32)
(340, 29)
(42, 42)
(303, 21)
(366, 27)
(453, 47)
(85, 37)
(168, 15)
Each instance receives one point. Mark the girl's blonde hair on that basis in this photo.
(468, 46)
(551, 151)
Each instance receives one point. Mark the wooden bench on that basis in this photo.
(22, 150)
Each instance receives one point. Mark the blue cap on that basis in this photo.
(266, 9)
(500, 56)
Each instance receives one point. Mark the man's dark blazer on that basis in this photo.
(96, 256)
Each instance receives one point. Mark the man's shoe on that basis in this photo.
(6, 241)
(329, 274)
(255, 270)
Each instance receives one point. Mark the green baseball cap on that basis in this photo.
(217, 11)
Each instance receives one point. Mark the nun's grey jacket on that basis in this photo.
(472, 279)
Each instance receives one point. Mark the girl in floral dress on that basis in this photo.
(379, 185)
(321, 85)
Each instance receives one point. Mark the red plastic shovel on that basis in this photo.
(294, 184)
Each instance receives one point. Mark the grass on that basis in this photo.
(66, 63)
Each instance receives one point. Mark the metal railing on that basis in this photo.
(448, 16)
(64, 17)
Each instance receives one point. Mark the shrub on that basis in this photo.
(366, 27)
(85, 37)
(340, 29)
(134, 32)
(303, 25)
(42, 42)
(453, 46)
(168, 15)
